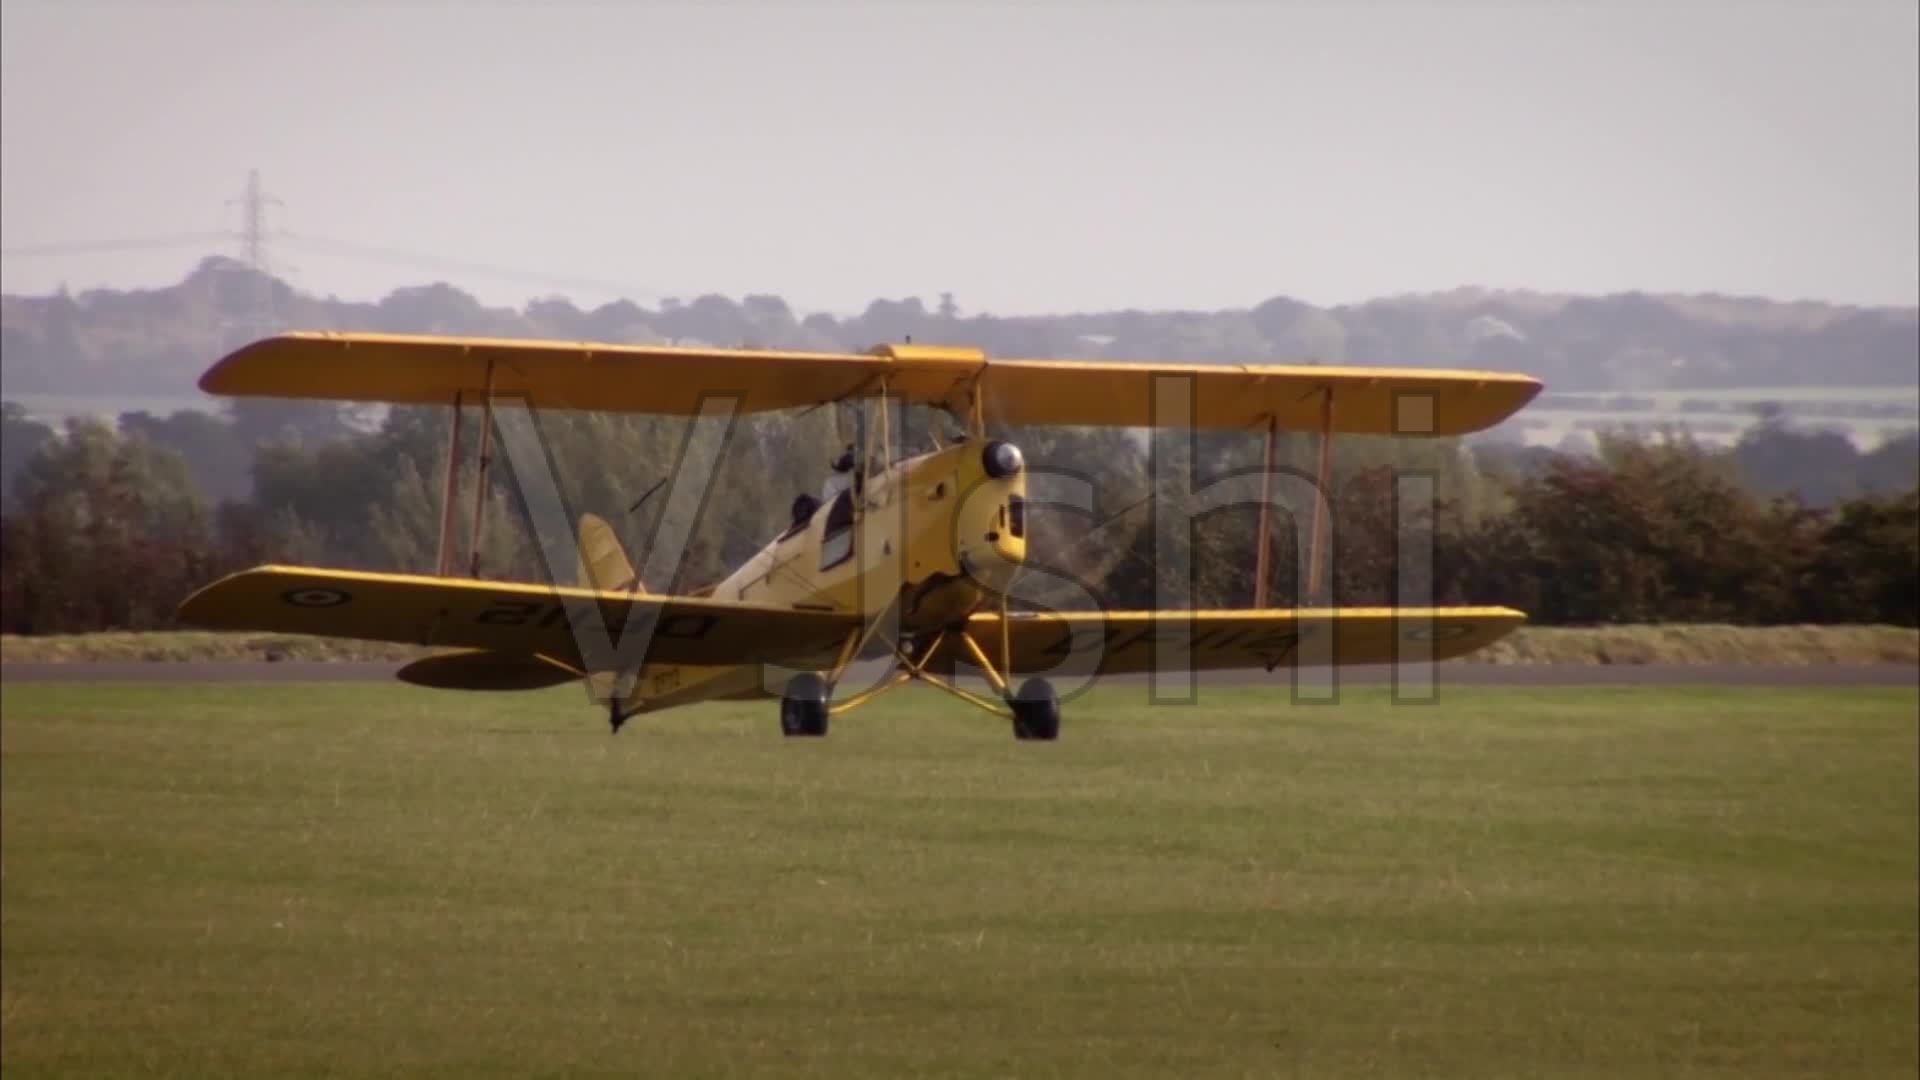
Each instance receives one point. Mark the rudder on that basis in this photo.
(602, 564)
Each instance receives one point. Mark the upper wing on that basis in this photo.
(406, 369)
(506, 617)
(410, 370)
(1123, 642)
(1364, 401)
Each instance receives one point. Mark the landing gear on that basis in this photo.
(1036, 712)
(614, 716)
(803, 709)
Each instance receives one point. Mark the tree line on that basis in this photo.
(110, 526)
(158, 340)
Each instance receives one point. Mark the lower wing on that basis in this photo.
(512, 618)
(1122, 642)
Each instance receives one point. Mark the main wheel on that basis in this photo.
(1036, 711)
(803, 709)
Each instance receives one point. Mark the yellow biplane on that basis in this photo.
(910, 560)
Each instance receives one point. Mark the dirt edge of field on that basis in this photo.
(1687, 645)
(1678, 645)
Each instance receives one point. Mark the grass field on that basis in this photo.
(273, 880)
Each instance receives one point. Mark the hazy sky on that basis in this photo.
(1026, 157)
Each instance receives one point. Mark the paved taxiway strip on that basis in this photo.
(1542, 675)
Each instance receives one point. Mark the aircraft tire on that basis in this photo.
(1036, 712)
(803, 709)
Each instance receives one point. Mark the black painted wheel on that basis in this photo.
(803, 709)
(1036, 712)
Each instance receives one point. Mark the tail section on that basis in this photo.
(603, 565)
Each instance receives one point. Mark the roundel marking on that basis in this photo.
(1441, 633)
(315, 597)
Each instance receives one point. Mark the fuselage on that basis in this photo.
(933, 538)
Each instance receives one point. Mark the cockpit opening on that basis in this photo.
(804, 507)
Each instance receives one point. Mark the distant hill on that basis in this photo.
(157, 342)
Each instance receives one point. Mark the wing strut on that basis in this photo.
(449, 493)
(450, 485)
(1317, 548)
(1315, 585)
(480, 485)
(1261, 571)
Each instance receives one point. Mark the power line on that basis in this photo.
(254, 235)
(110, 247)
(256, 248)
(326, 246)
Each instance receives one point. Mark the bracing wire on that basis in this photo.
(109, 247)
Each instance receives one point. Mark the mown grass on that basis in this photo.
(1775, 646)
(268, 880)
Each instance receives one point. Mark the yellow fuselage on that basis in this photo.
(935, 535)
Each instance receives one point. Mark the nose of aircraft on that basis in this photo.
(993, 528)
